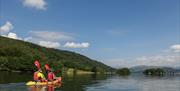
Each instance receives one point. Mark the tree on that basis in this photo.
(123, 71)
(19, 55)
(154, 71)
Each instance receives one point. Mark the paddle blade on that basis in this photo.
(47, 67)
(37, 64)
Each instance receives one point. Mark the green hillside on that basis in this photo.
(19, 56)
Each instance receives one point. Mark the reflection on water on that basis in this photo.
(11, 77)
(94, 83)
(44, 88)
(137, 83)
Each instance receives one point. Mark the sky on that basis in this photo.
(119, 33)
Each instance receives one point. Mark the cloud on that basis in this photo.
(170, 58)
(48, 38)
(45, 43)
(5, 31)
(76, 45)
(38, 4)
(49, 44)
(175, 48)
(12, 36)
(28, 38)
(44, 38)
(51, 36)
(159, 60)
(6, 27)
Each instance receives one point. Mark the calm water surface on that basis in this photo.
(16, 82)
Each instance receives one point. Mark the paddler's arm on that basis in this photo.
(41, 76)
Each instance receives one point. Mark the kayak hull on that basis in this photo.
(57, 81)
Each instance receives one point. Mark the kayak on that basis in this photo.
(57, 81)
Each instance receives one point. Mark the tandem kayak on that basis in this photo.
(57, 81)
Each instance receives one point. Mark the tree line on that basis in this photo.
(20, 55)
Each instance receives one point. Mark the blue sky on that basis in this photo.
(115, 32)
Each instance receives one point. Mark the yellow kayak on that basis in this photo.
(58, 80)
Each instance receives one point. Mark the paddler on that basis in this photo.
(38, 75)
(50, 75)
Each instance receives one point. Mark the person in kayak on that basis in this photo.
(38, 75)
(50, 75)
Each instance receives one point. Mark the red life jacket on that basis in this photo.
(51, 76)
(35, 76)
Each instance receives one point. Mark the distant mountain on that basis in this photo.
(20, 55)
(177, 69)
(141, 68)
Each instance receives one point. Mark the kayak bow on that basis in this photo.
(57, 81)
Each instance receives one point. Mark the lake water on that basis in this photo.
(16, 82)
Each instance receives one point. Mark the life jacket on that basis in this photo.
(35, 76)
(38, 76)
(51, 76)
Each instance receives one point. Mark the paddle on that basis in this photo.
(37, 64)
(59, 79)
(47, 67)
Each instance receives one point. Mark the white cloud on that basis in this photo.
(175, 48)
(28, 38)
(6, 27)
(12, 36)
(44, 38)
(48, 38)
(5, 31)
(38, 4)
(159, 60)
(168, 58)
(76, 45)
(45, 43)
(51, 36)
(49, 44)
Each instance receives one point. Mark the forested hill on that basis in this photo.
(19, 56)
